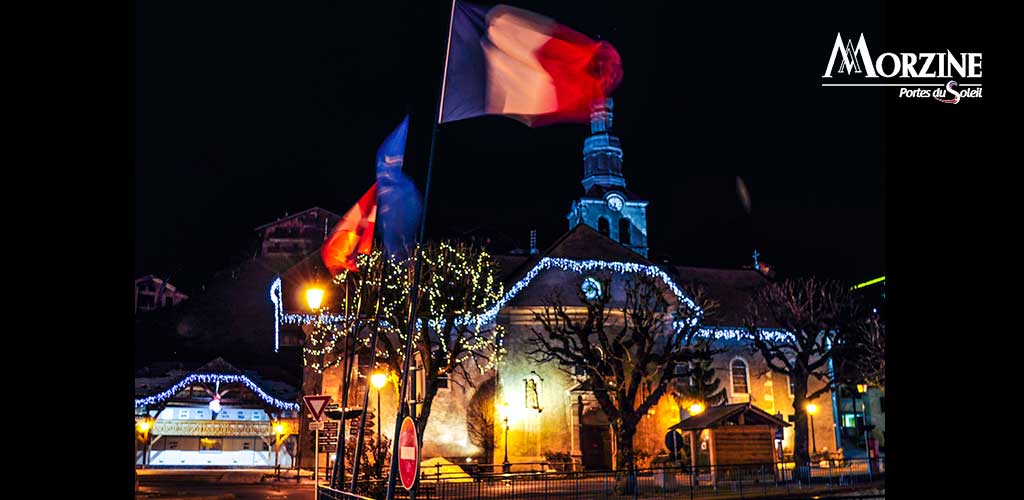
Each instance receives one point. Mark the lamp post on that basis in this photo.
(278, 430)
(378, 380)
(505, 465)
(143, 427)
(862, 389)
(811, 410)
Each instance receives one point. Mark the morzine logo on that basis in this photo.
(853, 64)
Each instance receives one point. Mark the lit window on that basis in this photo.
(849, 421)
(211, 444)
(739, 377)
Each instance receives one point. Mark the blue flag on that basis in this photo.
(399, 203)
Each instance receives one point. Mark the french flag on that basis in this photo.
(508, 61)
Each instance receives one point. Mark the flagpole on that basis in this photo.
(373, 362)
(393, 470)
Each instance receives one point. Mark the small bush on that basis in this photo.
(558, 460)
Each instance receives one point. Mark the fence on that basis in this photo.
(680, 482)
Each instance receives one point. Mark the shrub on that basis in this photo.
(558, 460)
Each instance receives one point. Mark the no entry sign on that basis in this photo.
(408, 454)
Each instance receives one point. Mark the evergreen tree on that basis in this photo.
(702, 385)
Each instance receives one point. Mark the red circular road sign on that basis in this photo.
(408, 454)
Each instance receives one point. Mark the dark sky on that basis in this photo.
(247, 110)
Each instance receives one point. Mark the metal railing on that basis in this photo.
(677, 482)
(328, 493)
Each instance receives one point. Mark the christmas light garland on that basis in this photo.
(215, 378)
(275, 297)
(582, 266)
(577, 266)
(738, 333)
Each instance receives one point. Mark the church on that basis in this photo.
(544, 409)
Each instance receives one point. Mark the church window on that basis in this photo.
(624, 231)
(739, 376)
(602, 226)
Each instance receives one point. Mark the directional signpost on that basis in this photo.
(316, 406)
(408, 454)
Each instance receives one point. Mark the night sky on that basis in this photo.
(247, 110)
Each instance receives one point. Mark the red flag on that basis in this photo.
(352, 235)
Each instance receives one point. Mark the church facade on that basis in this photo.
(549, 408)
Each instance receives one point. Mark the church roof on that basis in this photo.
(732, 288)
(580, 243)
(718, 415)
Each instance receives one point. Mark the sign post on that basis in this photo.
(408, 454)
(316, 406)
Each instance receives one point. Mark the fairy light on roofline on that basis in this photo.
(579, 267)
(215, 378)
(738, 333)
(582, 266)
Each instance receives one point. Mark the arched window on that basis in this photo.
(602, 225)
(739, 376)
(624, 231)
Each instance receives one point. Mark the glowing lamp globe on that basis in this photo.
(314, 297)
(696, 409)
(378, 380)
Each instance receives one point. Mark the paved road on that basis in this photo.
(240, 491)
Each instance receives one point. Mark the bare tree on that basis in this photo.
(818, 316)
(861, 359)
(647, 343)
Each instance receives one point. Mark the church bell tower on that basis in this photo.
(606, 205)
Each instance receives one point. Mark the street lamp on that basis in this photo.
(505, 465)
(696, 409)
(278, 430)
(378, 380)
(143, 426)
(314, 297)
(811, 410)
(862, 389)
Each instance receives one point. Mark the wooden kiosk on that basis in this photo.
(735, 435)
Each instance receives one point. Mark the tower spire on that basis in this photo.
(606, 204)
(602, 152)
